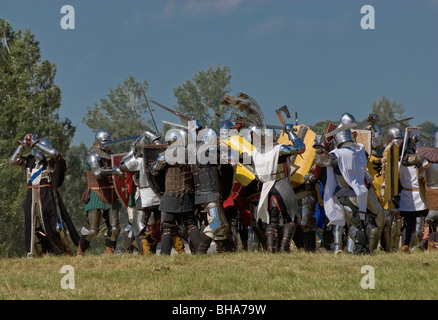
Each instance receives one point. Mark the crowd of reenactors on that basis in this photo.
(245, 185)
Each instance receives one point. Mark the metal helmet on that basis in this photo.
(177, 137)
(38, 154)
(395, 134)
(141, 142)
(435, 139)
(344, 135)
(209, 136)
(100, 138)
(153, 136)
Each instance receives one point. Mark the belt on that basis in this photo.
(411, 189)
(43, 185)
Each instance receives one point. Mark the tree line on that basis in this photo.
(30, 102)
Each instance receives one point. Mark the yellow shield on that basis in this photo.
(301, 163)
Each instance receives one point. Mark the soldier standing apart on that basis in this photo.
(178, 202)
(46, 219)
(100, 198)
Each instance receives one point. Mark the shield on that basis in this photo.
(301, 164)
(150, 154)
(119, 182)
(363, 137)
(242, 173)
(390, 187)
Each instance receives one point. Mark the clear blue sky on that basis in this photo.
(311, 55)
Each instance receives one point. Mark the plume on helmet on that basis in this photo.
(250, 109)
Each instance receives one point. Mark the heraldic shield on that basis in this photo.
(150, 154)
(119, 182)
(390, 187)
(301, 164)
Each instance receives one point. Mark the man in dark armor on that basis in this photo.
(177, 204)
(46, 219)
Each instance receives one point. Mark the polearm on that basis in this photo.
(150, 111)
(172, 111)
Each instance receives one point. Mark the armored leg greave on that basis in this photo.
(338, 238)
(93, 221)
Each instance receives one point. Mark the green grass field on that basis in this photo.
(233, 276)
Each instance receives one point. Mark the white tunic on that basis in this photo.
(410, 199)
(352, 163)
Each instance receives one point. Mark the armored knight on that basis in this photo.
(46, 219)
(146, 216)
(426, 160)
(100, 198)
(213, 183)
(395, 136)
(278, 204)
(412, 208)
(345, 195)
(378, 226)
(178, 201)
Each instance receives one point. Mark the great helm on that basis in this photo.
(395, 134)
(102, 137)
(346, 121)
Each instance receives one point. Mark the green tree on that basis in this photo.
(321, 126)
(29, 103)
(123, 113)
(388, 112)
(75, 183)
(427, 130)
(201, 97)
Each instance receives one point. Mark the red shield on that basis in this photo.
(120, 181)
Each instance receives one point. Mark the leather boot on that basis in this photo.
(405, 249)
(288, 232)
(309, 240)
(83, 245)
(271, 240)
(205, 243)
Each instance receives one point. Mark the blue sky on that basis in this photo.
(312, 56)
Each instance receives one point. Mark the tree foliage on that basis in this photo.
(123, 113)
(201, 97)
(29, 103)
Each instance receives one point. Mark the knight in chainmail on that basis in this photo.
(46, 219)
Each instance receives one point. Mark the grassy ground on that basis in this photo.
(235, 276)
